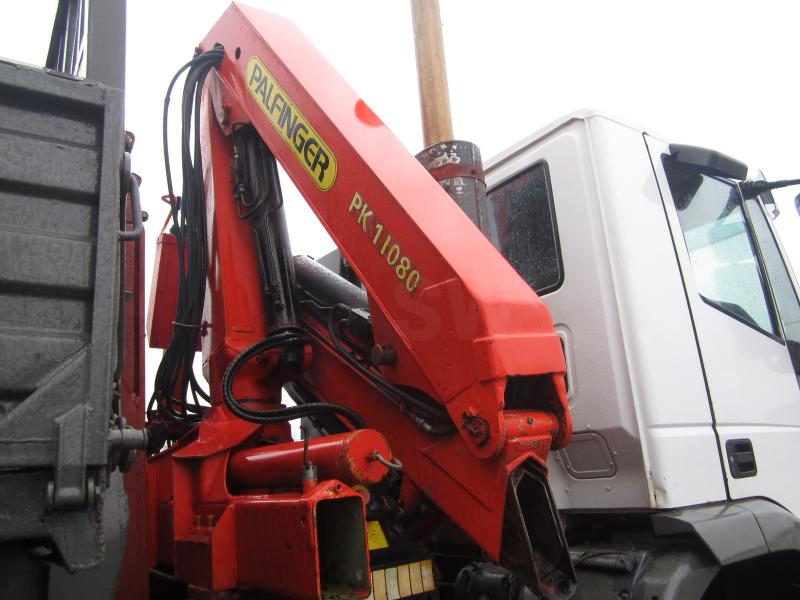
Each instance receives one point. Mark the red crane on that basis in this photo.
(446, 354)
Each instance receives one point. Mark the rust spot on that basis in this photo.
(529, 443)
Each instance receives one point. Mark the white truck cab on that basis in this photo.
(680, 322)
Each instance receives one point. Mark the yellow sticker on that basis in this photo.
(392, 589)
(379, 585)
(375, 537)
(403, 580)
(415, 572)
(428, 583)
(293, 127)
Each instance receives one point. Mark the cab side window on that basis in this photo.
(522, 216)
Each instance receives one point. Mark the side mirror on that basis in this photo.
(708, 161)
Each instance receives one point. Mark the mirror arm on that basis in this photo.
(752, 189)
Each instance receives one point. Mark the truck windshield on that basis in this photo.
(522, 217)
(727, 274)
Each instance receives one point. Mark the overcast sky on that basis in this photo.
(715, 74)
(710, 73)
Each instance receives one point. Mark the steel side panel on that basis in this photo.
(62, 145)
(666, 377)
(585, 314)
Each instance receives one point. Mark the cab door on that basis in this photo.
(745, 312)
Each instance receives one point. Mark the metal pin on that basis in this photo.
(309, 470)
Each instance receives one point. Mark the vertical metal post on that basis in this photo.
(106, 42)
(455, 164)
(434, 97)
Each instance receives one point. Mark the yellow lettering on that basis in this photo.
(356, 203)
(304, 142)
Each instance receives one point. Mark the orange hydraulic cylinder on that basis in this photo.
(349, 457)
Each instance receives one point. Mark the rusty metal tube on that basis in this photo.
(348, 457)
(434, 99)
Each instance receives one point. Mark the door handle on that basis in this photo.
(741, 458)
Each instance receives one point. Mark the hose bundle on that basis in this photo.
(175, 380)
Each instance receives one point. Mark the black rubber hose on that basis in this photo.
(389, 390)
(281, 414)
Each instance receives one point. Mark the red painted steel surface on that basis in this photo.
(217, 540)
(348, 457)
(134, 575)
(267, 530)
(213, 538)
(163, 292)
(459, 317)
(460, 329)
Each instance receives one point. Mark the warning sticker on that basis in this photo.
(375, 537)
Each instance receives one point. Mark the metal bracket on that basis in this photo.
(70, 489)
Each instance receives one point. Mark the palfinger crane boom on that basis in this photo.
(466, 380)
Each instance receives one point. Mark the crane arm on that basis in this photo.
(466, 374)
